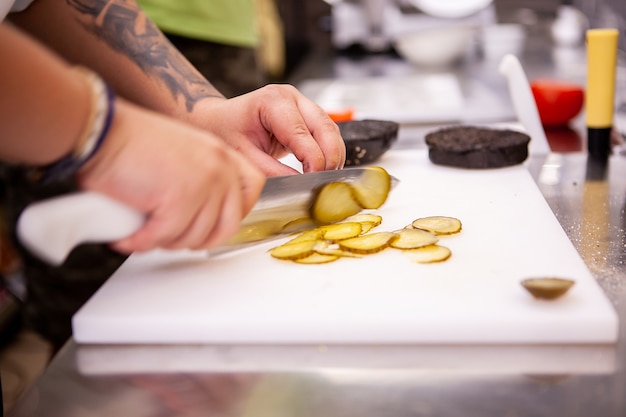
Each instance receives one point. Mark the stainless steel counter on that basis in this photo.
(589, 200)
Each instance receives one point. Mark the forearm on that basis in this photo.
(117, 40)
(43, 106)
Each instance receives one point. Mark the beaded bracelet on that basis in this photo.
(92, 136)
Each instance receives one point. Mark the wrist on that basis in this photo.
(202, 111)
(93, 135)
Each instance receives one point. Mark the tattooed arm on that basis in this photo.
(115, 38)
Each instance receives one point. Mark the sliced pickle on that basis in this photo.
(372, 188)
(547, 288)
(293, 251)
(367, 226)
(429, 254)
(313, 234)
(370, 243)
(340, 231)
(317, 258)
(439, 225)
(326, 247)
(375, 219)
(348, 234)
(334, 202)
(413, 239)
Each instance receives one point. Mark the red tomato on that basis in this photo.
(557, 102)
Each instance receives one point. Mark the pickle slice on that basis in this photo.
(326, 247)
(413, 239)
(375, 219)
(313, 234)
(370, 243)
(439, 225)
(334, 202)
(367, 226)
(317, 258)
(293, 251)
(341, 231)
(429, 254)
(547, 288)
(372, 188)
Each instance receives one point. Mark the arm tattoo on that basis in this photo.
(125, 28)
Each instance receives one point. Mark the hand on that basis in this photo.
(194, 189)
(269, 122)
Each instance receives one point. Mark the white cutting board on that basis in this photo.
(509, 233)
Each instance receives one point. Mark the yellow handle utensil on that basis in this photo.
(600, 94)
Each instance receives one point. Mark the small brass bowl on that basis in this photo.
(548, 288)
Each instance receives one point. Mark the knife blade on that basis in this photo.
(51, 228)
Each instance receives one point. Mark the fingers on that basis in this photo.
(325, 132)
(252, 183)
(304, 128)
(193, 188)
(275, 120)
(266, 162)
(204, 221)
(189, 230)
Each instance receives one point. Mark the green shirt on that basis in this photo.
(229, 22)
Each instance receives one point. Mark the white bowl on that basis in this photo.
(436, 47)
(501, 39)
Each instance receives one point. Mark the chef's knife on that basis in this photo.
(51, 228)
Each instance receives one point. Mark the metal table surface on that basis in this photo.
(589, 200)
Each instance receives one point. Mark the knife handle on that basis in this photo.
(600, 93)
(51, 228)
